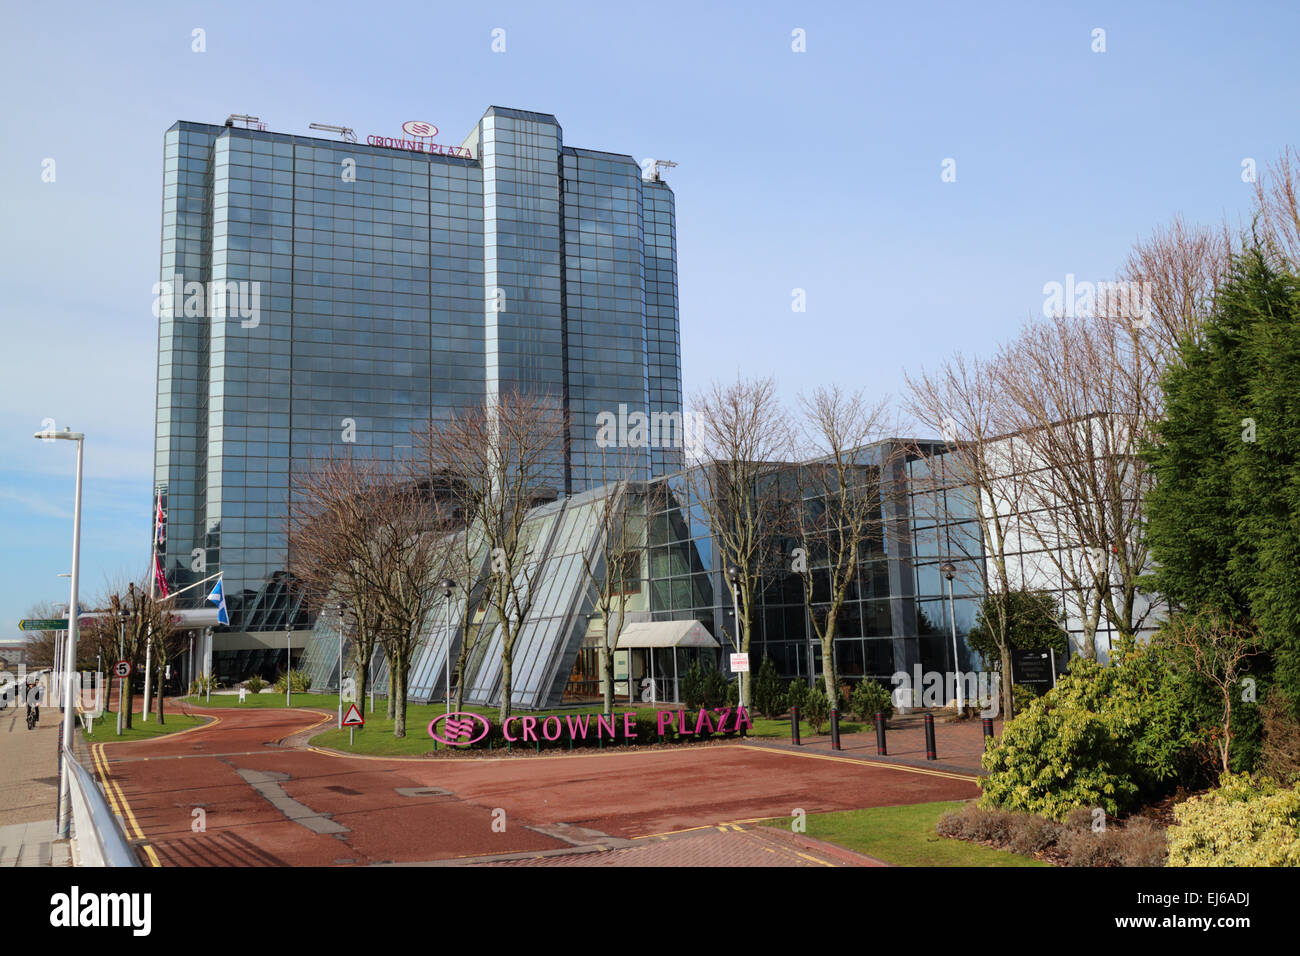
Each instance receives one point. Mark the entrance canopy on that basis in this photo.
(666, 634)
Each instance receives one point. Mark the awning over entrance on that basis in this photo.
(666, 634)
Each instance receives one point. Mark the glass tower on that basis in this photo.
(321, 298)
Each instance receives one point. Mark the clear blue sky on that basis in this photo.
(816, 170)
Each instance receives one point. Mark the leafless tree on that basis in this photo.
(378, 541)
(1175, 274)
(132, 617)
(1081, 398)
(840, 508)
(504, 457)
(964, 402)
(743, 444)
(1217, 650)
(1277, 208)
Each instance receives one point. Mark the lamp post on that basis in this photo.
(70, 652)
(949, 570)
(733, 575)
(339, 608)
(448, 586)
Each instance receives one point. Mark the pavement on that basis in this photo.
(245, 790)
(29, 790)
(959, 744)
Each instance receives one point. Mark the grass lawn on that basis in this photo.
(106, 727)
(904, 836)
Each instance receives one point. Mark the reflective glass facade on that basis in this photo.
(369, 290)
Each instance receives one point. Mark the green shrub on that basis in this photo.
(868, 697)
(693, 686)
(1241, 823)
(255, 684)
(816, 708)
(300, 682)
(796, 694)
(1022, 696)
(715, 689)
(1103, 737)
(203, 683)
(768, 694)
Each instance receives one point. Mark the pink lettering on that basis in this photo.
(724, 713)
(703, 721)
(665, 716)
(546, 728)
(505, 730)
(742, 717)
(530, 728)
(681, 723)
(604, 724)
(578, 726)
(629, 724)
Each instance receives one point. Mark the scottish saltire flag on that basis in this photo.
(218, 597)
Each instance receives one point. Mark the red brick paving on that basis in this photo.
(625, 795)
(714, 846)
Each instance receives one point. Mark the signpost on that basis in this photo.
(43, 624)
(740, 663)
(352, 720)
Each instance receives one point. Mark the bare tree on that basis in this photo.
(1277, 208)
(743, 447)
(840, 508)
(132, 617)
(974, 466)
(1175, 273)
(1217, 650)
(504, 456)
(377, 540)
(1080, 396)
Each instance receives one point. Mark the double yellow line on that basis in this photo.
(117, 800)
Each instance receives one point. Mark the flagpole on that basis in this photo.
(153, 588)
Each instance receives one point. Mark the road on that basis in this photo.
(247, 791)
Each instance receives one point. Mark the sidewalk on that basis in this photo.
(29, 790)
(958, 744)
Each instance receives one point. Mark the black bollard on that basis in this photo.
(930, 752)
(988, 731)
(881, 749)
(835, 730)
(794, 726)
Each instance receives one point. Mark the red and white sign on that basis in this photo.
(419, 128)
(353, 718)
(122, 669)
(740, 663)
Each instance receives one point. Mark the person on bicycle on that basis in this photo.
(33, 705)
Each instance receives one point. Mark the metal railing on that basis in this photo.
(100, 840)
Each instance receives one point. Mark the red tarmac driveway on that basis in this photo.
(265, 801)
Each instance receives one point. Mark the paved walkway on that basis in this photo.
(729, 845)
(959, 745)
(29, 790)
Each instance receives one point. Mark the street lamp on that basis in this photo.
(733, 575)
(70, 653)
(949, 570)
(448, 586)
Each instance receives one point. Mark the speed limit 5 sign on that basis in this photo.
(122, 669)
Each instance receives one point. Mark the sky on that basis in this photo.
(820, 169)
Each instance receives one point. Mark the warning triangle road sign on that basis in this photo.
(353, 717)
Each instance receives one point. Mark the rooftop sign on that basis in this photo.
(422, 132)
